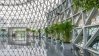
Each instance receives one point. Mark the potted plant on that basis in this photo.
(65, 35)
(63, 31)
(67, 31)
(27, 29)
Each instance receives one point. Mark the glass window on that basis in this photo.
(95, 44)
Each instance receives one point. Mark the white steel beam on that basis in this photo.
(75, 40)
(91, 15)
(92, 38)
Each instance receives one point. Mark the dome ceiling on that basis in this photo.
(25, 13)
(13, 2)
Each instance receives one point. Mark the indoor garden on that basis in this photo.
(49, 28)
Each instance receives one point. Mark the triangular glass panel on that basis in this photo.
(75, 18)
(95, 44)
(91, 31)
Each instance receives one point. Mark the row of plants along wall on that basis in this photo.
(60, 31)
(35, 32)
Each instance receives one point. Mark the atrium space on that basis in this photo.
(49, 28)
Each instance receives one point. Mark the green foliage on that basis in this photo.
(60, 29)
(67, 31)
(86, 4)
(33, 30)
(39, 30)
(3, 29)
(28, 29)
(46, 31)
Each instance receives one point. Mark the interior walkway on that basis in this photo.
(59, 50)
(39, 48)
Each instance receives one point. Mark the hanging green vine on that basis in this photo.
(86, 4)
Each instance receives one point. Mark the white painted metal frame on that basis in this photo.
(85, 22)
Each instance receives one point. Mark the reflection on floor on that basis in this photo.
(37, 48)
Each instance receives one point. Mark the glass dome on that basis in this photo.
(25, 13)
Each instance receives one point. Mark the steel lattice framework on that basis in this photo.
(25, 13)
(16, 16)
(86, 27)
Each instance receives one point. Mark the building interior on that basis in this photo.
(23, 25)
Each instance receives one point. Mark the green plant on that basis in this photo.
(33, 31)
(27, 29)
(3, 29)
(51, 31)
(60, 31)
(67, 30)
(46, 31)
(86, 4)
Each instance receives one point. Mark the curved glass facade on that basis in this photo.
(18, 20)
(85, 32)
(22, 21)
